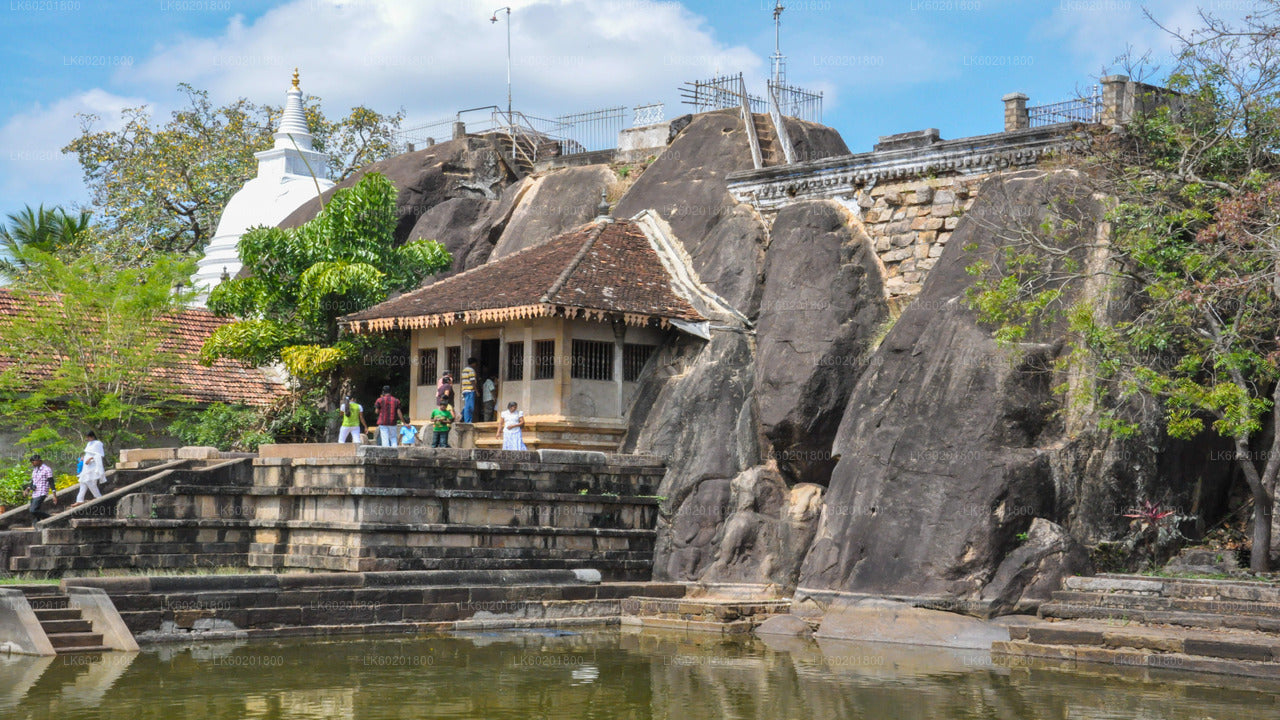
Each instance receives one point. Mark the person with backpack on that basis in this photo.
(388, 409)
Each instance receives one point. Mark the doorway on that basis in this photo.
(489, 352)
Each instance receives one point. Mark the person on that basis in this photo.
(93, 469)
(388, 409)
(41, 488)
(511, 428)
(488, 396)
(408, 434)
(469, 391)
(444, 390)
(441, 419)
(353, 424)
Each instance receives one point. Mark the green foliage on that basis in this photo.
(295, 418)
(226, 427)
(87, 351)
(302, 280)
(48, 231)
(161, 188)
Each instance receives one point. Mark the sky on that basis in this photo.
(884, 67)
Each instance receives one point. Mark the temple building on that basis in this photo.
(567, 327)
(289, 174)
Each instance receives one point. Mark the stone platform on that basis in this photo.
(339, 508)
(1210, 626)
(206, 607)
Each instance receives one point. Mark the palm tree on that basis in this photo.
(39, 229)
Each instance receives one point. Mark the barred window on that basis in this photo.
(592, 360)
(455, 362)
(544, 359)
(515, 361)
(633, 359)
(427, 366)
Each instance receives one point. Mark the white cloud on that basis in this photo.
(1098, 31)
(436, 57)
(33, 169)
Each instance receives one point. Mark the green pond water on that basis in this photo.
(550, 674)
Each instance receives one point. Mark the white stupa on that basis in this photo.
(288, 175)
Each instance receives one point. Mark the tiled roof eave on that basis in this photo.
(506, 314)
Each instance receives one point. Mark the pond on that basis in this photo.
(602, 675)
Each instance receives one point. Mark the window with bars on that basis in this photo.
(544, 359)
(515, 361)
(633, 359)
(454, 362)
(592, 360)
(427, 367)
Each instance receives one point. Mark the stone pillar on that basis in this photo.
(526, 389)
(1117, 106)
(619, 338)
(459, 130)
(1015, 112)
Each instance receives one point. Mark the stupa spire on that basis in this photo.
(293, 121)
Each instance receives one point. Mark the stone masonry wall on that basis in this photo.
(910, 224)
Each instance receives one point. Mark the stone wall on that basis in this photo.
(910, 224)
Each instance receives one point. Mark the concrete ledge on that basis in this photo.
(309, 450)
(20, 630)
(96, 607)
(894, 622)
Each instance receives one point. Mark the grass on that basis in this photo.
(20, 580)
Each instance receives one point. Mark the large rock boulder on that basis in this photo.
(823, 302)
(467, 169)
(552, 204)
(945, 445)
(1033, 571)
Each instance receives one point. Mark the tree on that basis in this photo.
(303, 279)
(87, 350)
(47, 231)
(1194, 251)
(161, 188)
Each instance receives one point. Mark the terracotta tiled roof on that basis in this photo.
(225, 381)
(601, 271)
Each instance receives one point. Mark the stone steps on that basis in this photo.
(177, 608)
(1228, 627)
(64, 626)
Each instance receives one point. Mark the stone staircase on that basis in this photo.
(381, 510)
(178, 608)
(1215, 626)
(770, 147)
(715, 615)
(64, 625)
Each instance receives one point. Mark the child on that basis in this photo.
(441, 419)
(408, 434)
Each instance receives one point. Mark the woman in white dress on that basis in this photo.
(511, 428)
(93, 471)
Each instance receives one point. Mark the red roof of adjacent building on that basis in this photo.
(602, 271)
(225, 381)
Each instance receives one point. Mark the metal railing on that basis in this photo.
(650, 114)
(720, 93)
(797, 102)
(590, 131)
(1086, 109)
(780, 126)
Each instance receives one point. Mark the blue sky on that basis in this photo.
(885, 67)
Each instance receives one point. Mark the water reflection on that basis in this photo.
(600, 675)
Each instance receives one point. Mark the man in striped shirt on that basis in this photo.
(469, 390)
(41, 488)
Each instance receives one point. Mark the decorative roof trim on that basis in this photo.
(504, 314)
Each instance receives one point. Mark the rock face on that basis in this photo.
(944, 449)
(1033, 571)
(553, 204)
(822, 303)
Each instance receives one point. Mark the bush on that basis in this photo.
(226, 427)
(14, 479)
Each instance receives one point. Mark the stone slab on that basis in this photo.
(20, 630)
(894, 622)
(308, 450)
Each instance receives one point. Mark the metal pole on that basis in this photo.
(494, 19)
